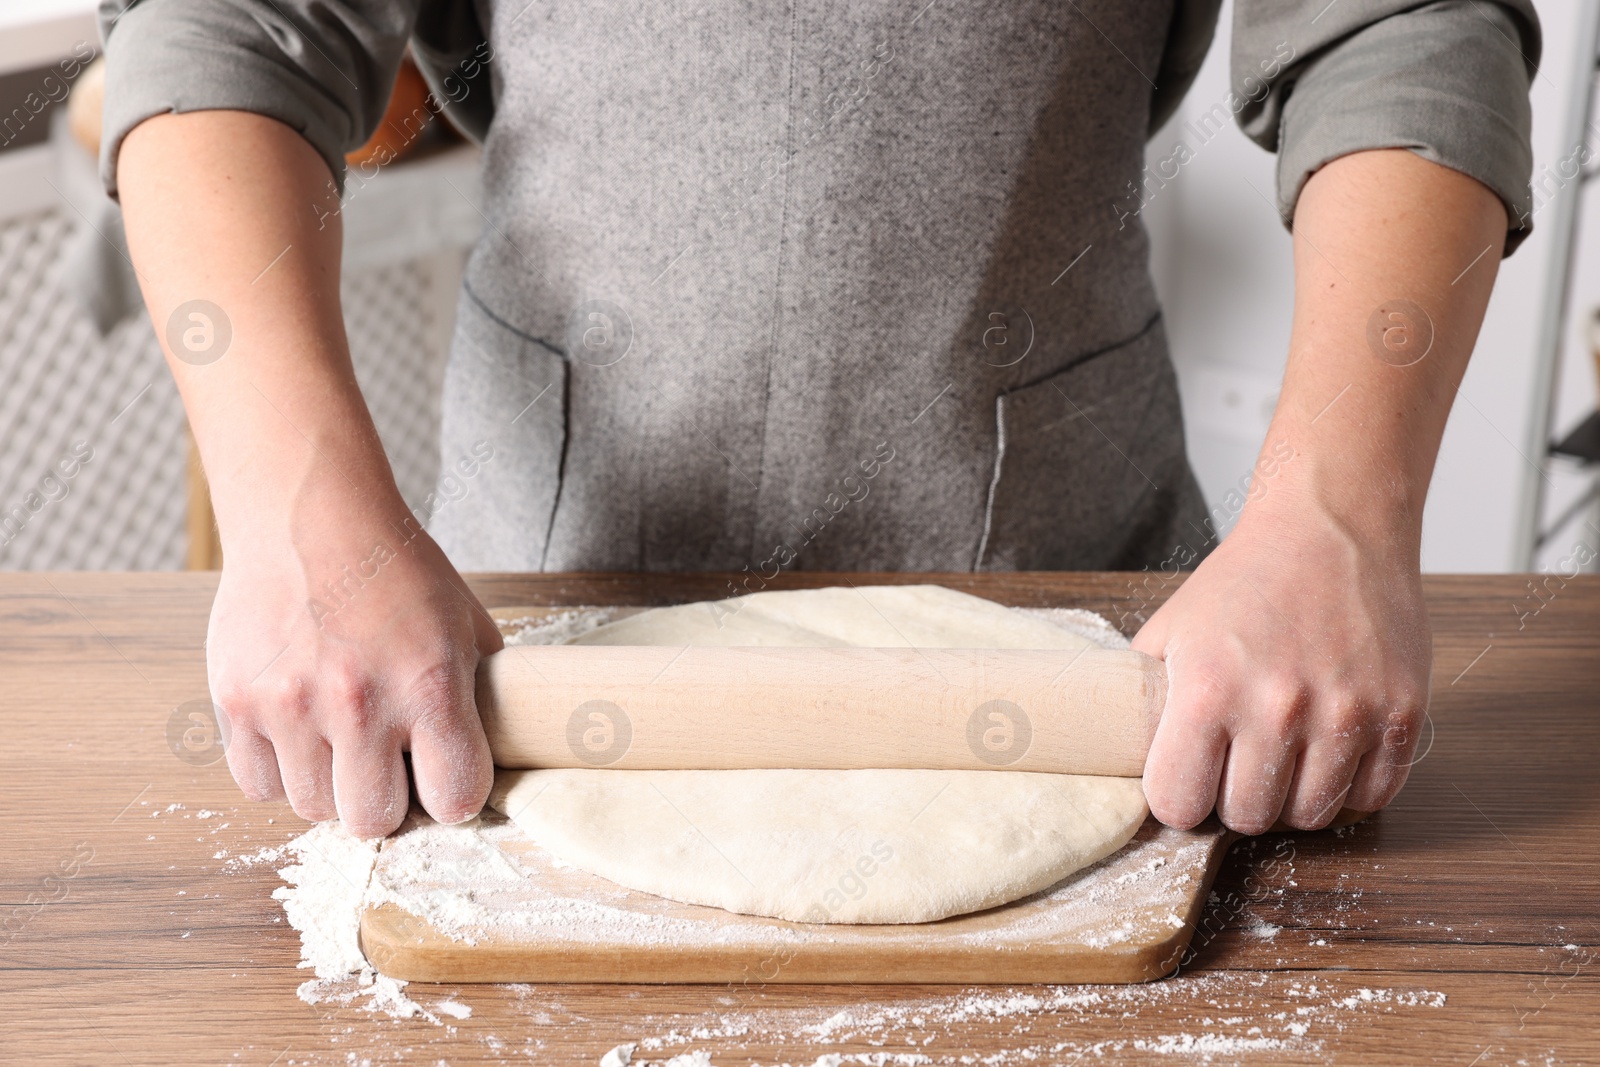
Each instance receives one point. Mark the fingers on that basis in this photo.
(253, 762)
(1321, 783)
(450, 758)
(1361, 765)
(340, 752)
(369, 782)
(1247, 756)
(305, 764)
(1262, 746)
(1187, 756)
(1385, 767)
(449, 754)
(1255, 784)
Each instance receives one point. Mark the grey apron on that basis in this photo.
(825, 285)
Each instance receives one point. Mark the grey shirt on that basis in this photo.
(751, 273)
(1447, 79)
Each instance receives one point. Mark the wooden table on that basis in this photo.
(1457, 927)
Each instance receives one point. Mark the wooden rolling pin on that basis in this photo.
(1092, 711)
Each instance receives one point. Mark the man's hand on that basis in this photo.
(331, 660)
(1299, 652)
(340, 636)
(1298, 657)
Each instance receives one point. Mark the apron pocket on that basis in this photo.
(1090, 471)
(503, 419)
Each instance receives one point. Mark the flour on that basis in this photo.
(1210, 1045)
(323, 897)
(1273, 1019)
(873, 1059)
(1230, 1017)
(453, 1008)
(556, 628)
(464, 881)
(1262, 929)
(1095, 627)
(854, 1023)
(323, 901)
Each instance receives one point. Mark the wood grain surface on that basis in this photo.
(1456, 927)
(1092, 710)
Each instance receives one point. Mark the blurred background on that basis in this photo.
(82, 379)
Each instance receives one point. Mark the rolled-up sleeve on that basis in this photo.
(323, 67)
(1448, 80)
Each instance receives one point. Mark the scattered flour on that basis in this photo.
(1210, 1045)
(1259, 927)
(322, 899)
(1261, 1018)
(453, 1008)
(1095, 627)
(556, 628)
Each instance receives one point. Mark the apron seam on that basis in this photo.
(994, 478)
(1090, 356)
(561, 464)
(777, 285)
(466, 287)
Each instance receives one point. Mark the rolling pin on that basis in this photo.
(1089, 711)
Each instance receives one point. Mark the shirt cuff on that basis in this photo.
(199, 55)
(1449, 82)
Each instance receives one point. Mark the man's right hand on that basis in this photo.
(329, 656)
(332, 658)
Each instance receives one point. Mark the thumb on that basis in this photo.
(1152, 636)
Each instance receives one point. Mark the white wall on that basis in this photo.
(1224, 269)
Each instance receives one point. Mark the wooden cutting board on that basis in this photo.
(1128, 918)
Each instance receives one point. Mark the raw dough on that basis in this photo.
(857, 846)
(874, 616)
(865, 846)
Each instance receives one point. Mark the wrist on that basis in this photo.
(1307, 493)
(311, 499)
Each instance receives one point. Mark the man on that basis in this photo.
(735, 255)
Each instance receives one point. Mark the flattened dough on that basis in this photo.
(874, 616)
(886, 846)
(857, 846)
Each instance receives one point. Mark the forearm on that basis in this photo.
(1299, 653)
(1372, 229)
(339, 640)
(238, 210)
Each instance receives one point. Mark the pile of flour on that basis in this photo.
(322, 898)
